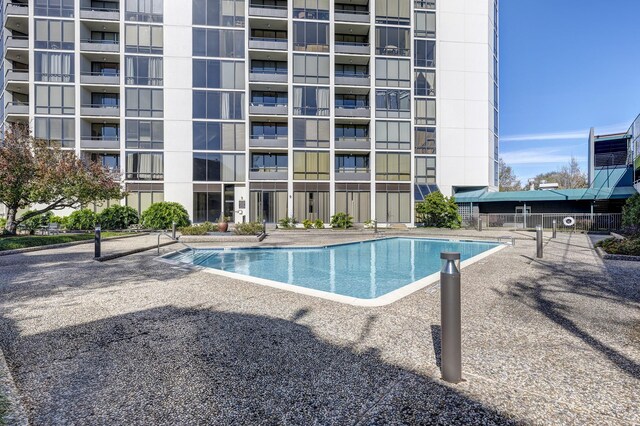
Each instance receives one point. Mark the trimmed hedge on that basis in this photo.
(162, 215)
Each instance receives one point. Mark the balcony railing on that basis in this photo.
(268, 108)
(268, 75)
(100, 77)
(392, 51)
(16, 42)
(425, 4)
(18, 9)
(101, 110)
(269, 173)
(17, 108)
(354, 16)
(352, 79)
(353, 173)
(353, 111)
(100, 13)
(100, 45)
(54, 78)
(353, 142)
(268, 11)
(12, 75)
(100, 142)
(267, 43)
(268, 141)
(352, 48)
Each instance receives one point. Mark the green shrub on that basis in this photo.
(60, 220)
(81, 220)
(628, 246)
(210, 227)
(3, 222)
(194, 230)
(118, 217)
(35, 222)
(307, 224)
(439, 211)
(631, 212)
(249, 228)
(341, 220)
(287, 222)
(318, 224)
(162, 215)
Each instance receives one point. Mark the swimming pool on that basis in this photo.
(369, 273)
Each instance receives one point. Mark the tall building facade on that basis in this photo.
(263, 109)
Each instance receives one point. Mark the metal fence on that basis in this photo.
(564, 221)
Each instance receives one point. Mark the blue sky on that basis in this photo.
(566, 66)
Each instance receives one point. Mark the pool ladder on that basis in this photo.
(171, 237)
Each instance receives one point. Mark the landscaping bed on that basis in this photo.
(16, 243)
(617, 246)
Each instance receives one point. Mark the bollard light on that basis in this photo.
(264, 226)
(450, 319)
(97, 241)
(173, 230)
(539, 248)
(375, 226)
(555, 229)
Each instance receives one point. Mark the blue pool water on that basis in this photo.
(363, 270)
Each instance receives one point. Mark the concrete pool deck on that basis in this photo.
(135, 341)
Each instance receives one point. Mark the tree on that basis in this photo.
(508, 180)
(439, 211)
(569, 176)
(34, 174)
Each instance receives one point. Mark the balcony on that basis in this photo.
(16, 42)
(100, 142)
(351, 16)
(102, 14)
(264, 43)
(267, 11)
(268, 108)
(353, 143)
(16, 9)
(351, 174)
(352, 79)
(16, 108)
(100, 110)
(353, 111)
(352, 48)
(102, 46)
(269, 173)
(99, 78)
(16, 76)
(268, 141)
(268, 76)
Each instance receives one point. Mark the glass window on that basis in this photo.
(214, 74)
(144, 39)
(52, 34)
(350, 70)
(218, 43)
(355, 200)
(393, 72)
(425, 82)
(54, 67)
(311, 9)
(145, 166)
(141, 200)
(352, 163)
(309, 100)
(216, 167)
(144, 102)
(393, 135)
(393, 12)
(144, 134)
(311, 36)
(311, 133)
(311, 205)
(207, 206)
(55, 100)
(393, 206)
(143, 10)
(268, 67)
(218, 13)
(425, 170)
(425, 140)
(311, 165)
(426, 111)
(215, 136)
(393, 103)
(218, 105)
(393, 166)
(57, 131)
(345, 132)
(262, 130)
(393, 41)
(143, 71)
(312, 69)
(425, 24)
(62, 8)
(425, 53)
(269, 163)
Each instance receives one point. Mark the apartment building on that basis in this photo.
(262, 109)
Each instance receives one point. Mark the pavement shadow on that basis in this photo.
(173, 365)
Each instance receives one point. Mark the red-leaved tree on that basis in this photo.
(42, 177)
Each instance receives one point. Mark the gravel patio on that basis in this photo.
(137, 341)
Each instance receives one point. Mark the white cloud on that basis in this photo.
(567, 135)
(541, 156)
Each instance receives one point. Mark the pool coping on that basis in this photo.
(379, 301)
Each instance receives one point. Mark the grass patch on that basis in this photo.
(628, 246)
(14, 243)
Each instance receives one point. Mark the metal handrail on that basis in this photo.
(98, 41)
(99, 9)
(352, 43)
(16, 37)
(100, 106)
(352, 12)
(272, 137)
(267, 6)
(268, 104)
(253, 38)
(366, 107)
(100, 74)
(352, 74)
(274, 169)
(19, 71)
(101, 138)
(16, 103)
(353, 170)
(267, 71)
(353, 139)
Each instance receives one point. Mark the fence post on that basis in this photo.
(97, 242)
(555, 228)
(479, 223)
(450, 319)
(173, 230)
(539, 248)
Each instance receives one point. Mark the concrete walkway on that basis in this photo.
(136, 341)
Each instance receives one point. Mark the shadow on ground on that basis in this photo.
(172, 365)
